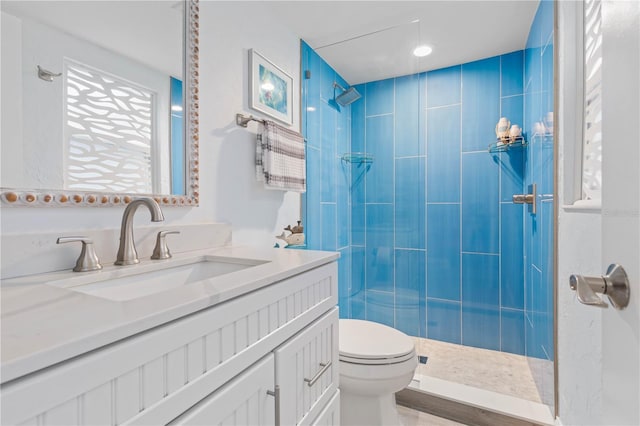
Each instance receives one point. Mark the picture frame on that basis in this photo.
(270, 88)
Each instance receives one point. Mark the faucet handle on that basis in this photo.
(161, 250)
(88, 260)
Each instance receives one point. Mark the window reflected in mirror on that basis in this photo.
(592, 132)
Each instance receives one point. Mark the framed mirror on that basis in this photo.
(99, 102)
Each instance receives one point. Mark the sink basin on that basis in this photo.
(121, 284)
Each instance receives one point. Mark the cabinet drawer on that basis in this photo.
(243, 401)
(307, 370)
(330, 416)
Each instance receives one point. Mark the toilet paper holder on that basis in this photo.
(615, 284)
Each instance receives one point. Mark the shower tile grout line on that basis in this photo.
(445, 106)
(460, 209)
(394, 208)
(364, 272)
(480, 253)
(409, 156)
(379, 115)
(483, 151)
(525, 249)
(443, 203)
(425, 116)
(500, 228)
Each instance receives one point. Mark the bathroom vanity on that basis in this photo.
(255, 344)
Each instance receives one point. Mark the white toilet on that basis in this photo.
(376, 361)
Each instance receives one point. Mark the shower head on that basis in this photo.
(347, 96)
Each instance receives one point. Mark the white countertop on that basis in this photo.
(43, 324)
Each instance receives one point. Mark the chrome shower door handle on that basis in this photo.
(615, 284)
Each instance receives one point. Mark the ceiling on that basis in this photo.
(373, 40)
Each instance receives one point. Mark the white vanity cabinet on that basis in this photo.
(265, 357)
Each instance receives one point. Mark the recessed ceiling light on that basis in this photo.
(422, 50)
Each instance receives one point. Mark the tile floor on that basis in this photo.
(501, 372)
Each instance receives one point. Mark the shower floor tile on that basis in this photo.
(501, 372)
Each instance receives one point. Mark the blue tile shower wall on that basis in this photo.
(430, 240)
(326, 206)
(538, 235)
(437, 235)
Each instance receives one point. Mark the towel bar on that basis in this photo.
(243, 120)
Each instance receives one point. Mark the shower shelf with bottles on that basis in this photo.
(505, 145)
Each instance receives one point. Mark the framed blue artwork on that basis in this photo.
(270, 88)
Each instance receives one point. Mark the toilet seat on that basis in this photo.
(370, 343)
(376, 361)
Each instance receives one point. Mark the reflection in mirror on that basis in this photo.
(93, 102)
(592, 132)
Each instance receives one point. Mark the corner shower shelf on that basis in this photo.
(499, 146)
(357, 157)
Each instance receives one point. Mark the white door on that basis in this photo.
(621, 206)
(598, 349)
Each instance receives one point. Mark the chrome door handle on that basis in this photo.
(276, 396)
(527, 198)
(615, 285)
(312, 381)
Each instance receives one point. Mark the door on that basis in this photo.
(621, 207)
(598, 349)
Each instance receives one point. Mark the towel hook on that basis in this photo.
(47, 75)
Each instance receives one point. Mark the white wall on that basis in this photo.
(228, 189)
(228, 31)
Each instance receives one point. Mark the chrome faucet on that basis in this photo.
(127, 254)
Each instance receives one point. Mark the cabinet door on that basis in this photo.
(307, 370)
(330, 416)
(242, 401)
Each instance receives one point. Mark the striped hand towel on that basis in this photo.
(280, 158)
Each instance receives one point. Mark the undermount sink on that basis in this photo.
(122, 284)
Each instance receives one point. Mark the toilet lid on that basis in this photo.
(362, 341)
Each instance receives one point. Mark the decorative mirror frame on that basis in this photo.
(62, 198)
